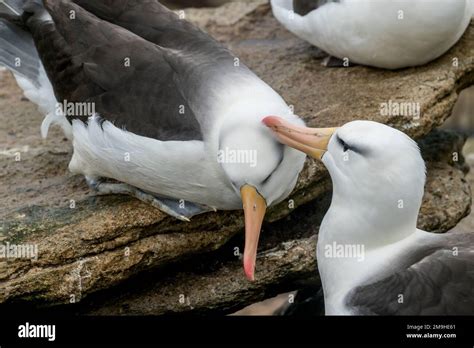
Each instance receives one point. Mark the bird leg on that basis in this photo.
(179, 209)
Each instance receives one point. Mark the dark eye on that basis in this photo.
(344, 145)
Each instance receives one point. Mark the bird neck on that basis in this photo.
(352, 238)
(372, 220)
(341, 271)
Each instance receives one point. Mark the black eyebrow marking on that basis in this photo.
(346, 146)
(341, 142)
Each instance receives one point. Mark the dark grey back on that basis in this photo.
(303, 7)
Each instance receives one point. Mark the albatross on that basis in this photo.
(160, 107)
(389, 34)
(371, 257)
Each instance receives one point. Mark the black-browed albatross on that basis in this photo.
(388, 34)
(177, 117)
(371, 257)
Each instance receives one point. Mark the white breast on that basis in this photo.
(177, 169)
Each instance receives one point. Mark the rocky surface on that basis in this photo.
(117, 255)
(446, 181)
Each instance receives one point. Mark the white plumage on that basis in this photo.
(376, 199)
(43, 96)
(372, 258)
(388, 34)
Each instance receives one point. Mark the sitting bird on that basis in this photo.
(383, 33)
(172, 116)
(372, 259)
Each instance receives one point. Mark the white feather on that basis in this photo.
(43, 96)
(384, 33)
(176, 169)
(368, 188)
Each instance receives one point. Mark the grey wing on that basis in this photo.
(303, 7)
(132, 82)
(197, 59)
(440, 283)
(155, 23)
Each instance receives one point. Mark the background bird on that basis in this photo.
(176, 119)
(371, 257)
(384, 33)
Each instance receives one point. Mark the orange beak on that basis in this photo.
(311, 141)
(254, 210)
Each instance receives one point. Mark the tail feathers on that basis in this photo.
(58, 119)
(43, 96)
(18, 54)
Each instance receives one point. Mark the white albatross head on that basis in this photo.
(378, 176)
(261, 170)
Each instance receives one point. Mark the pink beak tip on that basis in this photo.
(271, 121)
(249, 271)
(250, 277)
